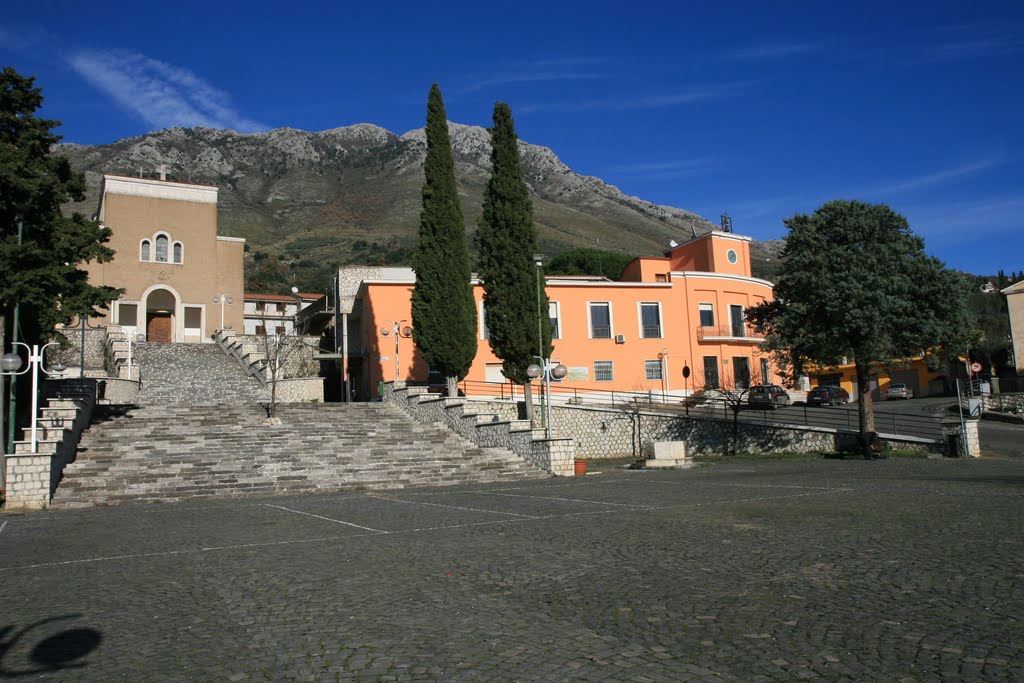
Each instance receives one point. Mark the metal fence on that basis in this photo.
(839, 417)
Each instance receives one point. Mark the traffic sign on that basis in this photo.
(975, 367)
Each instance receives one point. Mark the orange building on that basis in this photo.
(685, 309)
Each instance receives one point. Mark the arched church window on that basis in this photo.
(144, 251)
(161, 248)
(177, 252)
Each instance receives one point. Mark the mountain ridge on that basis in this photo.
(309, 201)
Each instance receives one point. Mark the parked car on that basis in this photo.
(767, 396)
(827, 396)
(898, 391)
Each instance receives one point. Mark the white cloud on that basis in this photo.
(757, 53)
(627, 103)
(161, 94)
(930, 179)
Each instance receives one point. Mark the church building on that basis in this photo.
(182, 281)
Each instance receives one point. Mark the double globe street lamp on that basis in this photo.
(549, 371)
(10, 364)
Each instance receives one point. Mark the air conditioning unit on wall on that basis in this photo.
(620, 339)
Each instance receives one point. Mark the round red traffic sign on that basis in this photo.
(975, 366)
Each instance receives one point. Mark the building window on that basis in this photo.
(144, 251)
(177, 252)
(661, 277)
(127, 314)
(601, 321)
(652, 369)
(604, 371)
(741, 372)
(650, 321)
(161, 248)
(485, 333)
(707, 315)
(261, 330)
(553, 313)
(710, 372)
(736, 317)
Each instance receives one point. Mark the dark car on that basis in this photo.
(767, 396)
(827, 396)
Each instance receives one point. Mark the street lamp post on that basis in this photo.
(10, 364)
(549, 372)
(663, 357)
(137, 337)
(222, 299)
(398, 330)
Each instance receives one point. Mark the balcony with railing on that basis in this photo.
(651, 332)
(730, 333)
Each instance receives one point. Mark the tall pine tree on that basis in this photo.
(515, 312)
(443, 309)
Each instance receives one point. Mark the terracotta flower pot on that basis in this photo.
(580, 467)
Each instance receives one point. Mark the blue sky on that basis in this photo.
(759, 109)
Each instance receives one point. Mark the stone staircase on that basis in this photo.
(194, 374)
(176, 451)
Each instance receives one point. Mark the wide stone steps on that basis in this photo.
(193, 374)
(178, 452)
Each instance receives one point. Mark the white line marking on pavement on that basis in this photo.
(326, 519)
(574, 500)
(450, 507)
(3, 525)
(375, 532)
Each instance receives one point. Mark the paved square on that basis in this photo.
(748, 570)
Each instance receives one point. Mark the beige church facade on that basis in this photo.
(181, 281)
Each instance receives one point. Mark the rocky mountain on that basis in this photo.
(306, 202)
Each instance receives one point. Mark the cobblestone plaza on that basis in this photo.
(749, 570)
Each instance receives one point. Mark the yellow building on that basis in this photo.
(181, 280)
(913, 372)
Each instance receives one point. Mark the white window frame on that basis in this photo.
(611, 371)
(659, 365)
(611, 320)
(640, 319)
(557, 316)
(482, 323)
(146, 243)
(701, 309)
(170, 253)
(177, 245)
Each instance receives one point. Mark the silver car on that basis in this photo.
(898, 391)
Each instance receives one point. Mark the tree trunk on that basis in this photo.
(865, 406)
(452, 384)
(735, 428)
(528, 398)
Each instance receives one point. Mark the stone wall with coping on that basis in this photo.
(606, 433)
(962, 442)
(31, 478)
(472, 421)
(120, 391)
(71, 355)
(300, 390)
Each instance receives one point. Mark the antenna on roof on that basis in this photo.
(726, 222)
(694, 231)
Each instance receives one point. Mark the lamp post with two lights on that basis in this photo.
(222, 299)
(10, 364)
(549, 371)
(399, 331)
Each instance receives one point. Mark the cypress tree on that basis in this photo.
(443, 309)
(507, 241)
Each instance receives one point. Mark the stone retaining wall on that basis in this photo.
(605, 433)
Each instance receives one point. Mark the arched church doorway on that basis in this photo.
(160, 309)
